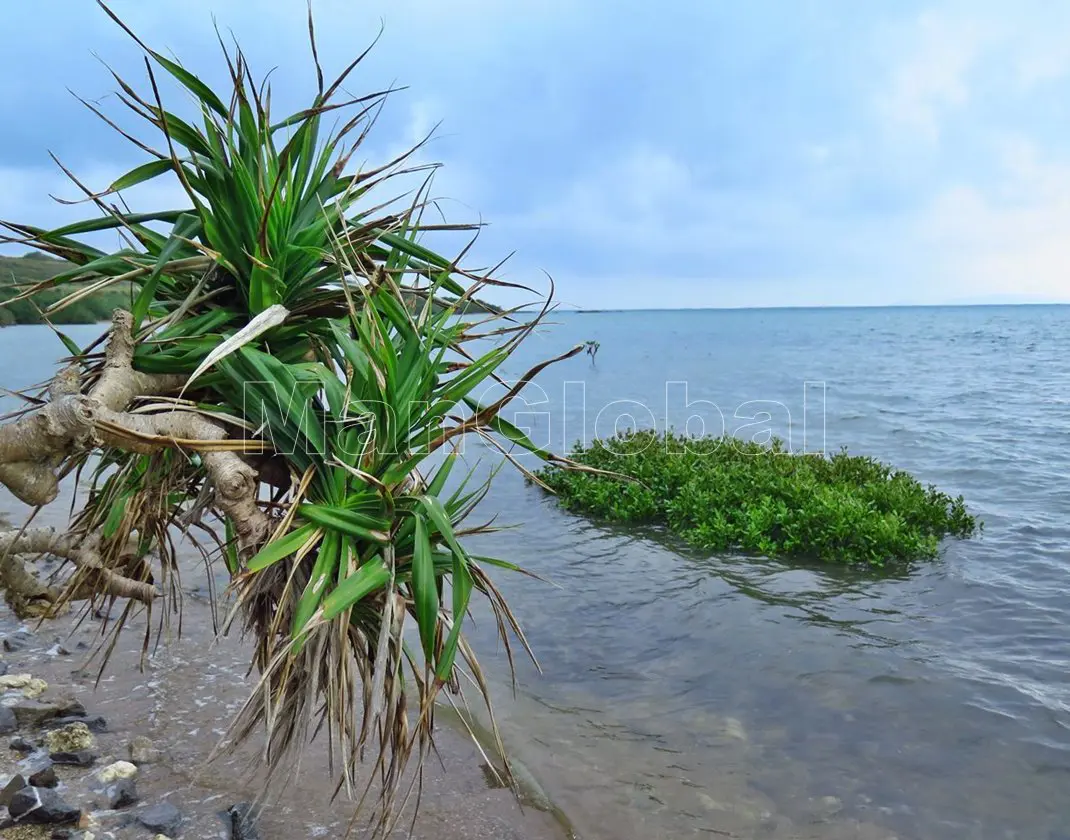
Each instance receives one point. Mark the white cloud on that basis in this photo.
(1009, 239)
(894, 186)
(934, 75)
(25, 197)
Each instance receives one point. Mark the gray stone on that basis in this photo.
(120, 794)
(44, 776)
(8, 722)
(143, 751)
(73, 709)
(96, 723)
(17, 783)
(42, 806)
(77, 758)
(20, 744)
(34, 712)
(164, 818)
(3, 668)
(16, 641)
(243, 822)
(107, 823)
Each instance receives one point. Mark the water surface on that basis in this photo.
(686, 694)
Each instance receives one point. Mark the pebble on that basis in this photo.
(17, 783)
(107, 822)
(77, 758)
(15, 642)
(73, 708)
(121, 793)
(8, 722)
(243, 823)
(96, 723)
(29, 685)
(118, 770)
(44, 776)
(163, 817)
(20, 744)
(33, 712)
(143, 751)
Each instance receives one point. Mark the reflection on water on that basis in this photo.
(689, 695)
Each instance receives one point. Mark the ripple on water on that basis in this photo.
(685, 694)
(927, 698)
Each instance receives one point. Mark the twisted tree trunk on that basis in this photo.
(34, 446)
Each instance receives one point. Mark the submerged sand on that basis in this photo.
(183, 702)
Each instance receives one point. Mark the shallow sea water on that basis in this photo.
(693, 695)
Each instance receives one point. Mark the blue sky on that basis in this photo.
(701, 153)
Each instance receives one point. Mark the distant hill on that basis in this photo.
(35, 267)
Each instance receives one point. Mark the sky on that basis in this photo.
(692, 153)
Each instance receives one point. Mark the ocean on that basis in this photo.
(686, 694)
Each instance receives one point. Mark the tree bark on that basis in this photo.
(32, 447)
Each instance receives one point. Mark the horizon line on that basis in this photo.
(583, 311)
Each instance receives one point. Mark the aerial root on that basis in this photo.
(36, 445)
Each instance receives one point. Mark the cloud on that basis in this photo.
(934, 75)
(26, 196)
(690, 154)
(1010, 240)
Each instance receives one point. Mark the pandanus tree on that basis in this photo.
(289, 383)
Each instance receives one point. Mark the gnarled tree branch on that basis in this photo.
(32, 447)
(82, 552)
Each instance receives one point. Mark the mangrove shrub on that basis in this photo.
(727, 494)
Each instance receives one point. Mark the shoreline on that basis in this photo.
(183, 702)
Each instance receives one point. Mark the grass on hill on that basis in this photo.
(728, 494)
(19, 272)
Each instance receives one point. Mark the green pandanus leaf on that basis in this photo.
(358, 525)
(185, 227)
(368, 578)
(286, 545)
(328, 559)
(425, 589)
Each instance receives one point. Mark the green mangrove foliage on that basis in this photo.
(728, 494)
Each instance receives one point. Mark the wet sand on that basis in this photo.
(183, 702)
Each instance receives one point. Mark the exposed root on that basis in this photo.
(25, 594)
(83, 553)
(34, 447)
